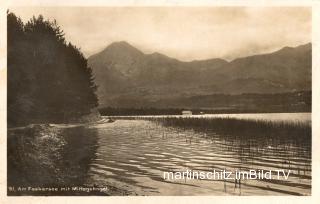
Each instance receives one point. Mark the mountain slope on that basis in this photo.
(126, 77)
(286, 70)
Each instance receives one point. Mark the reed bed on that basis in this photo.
(297, 132)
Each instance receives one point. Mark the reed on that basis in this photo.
(297, 132)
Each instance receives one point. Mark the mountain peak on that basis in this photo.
(304, 47)
(297, 49)
(122, 47)
(120, 44)
(158, 55)
(118, 50)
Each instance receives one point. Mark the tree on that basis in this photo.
(48, 78)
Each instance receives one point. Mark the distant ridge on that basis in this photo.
(127, 77)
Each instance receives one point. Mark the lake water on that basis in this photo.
(132, 155)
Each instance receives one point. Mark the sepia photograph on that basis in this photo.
(159, 101)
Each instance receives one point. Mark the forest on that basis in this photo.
(290, 102)
(49, 79)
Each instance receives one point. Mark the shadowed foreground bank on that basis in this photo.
(41, 156)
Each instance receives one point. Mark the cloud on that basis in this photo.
(186, 33)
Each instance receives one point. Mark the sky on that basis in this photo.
(185, 33)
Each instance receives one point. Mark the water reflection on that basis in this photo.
(132, 155)
(44, 156)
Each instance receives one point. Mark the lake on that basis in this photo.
(130, 156)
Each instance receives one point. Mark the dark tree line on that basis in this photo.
(114, 111)
(223, 103)
(48, 78)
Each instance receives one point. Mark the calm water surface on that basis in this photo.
(133, 154)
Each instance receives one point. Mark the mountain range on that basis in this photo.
(127, 77)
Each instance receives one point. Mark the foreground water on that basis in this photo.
(132, 155)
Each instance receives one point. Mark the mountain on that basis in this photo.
(126, 77)
(288, 69)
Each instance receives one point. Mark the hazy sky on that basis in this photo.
(186, 33)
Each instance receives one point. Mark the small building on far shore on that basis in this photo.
(186, 112)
